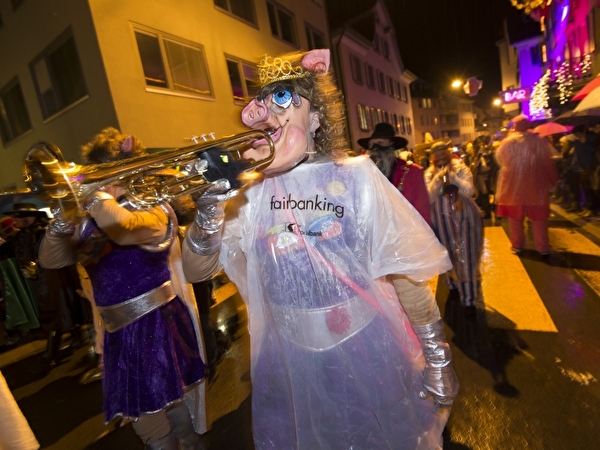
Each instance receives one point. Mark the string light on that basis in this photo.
(538, 105)
(564, 81)
(528, 5)
(563, 77)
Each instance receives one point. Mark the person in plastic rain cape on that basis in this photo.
(527, 174)
(321, 248)
(152, 363)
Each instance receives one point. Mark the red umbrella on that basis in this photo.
(586, 89)
(546, 129)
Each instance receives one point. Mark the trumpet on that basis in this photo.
(148, 180)
(450, 190)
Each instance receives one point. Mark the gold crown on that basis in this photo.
(271, 70)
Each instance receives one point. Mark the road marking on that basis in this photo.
(22, 352)
(222, 293)
(511, 300)
(568, 241)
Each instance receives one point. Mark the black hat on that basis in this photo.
(384, 130)
(25, 210)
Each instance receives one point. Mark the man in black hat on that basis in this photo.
(406, 176)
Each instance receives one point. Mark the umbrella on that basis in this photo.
(587, 117)
(592, 100)
(546, 129)
(584, 91)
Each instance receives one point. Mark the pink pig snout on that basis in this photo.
(254, 113)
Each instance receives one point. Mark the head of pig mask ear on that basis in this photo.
(316, 61)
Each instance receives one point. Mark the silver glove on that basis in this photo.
(439, 378)
(60, 226)
(204, 235)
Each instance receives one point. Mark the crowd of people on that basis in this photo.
(37, 301)
(579, 169)
(331, 253)
(575, 154)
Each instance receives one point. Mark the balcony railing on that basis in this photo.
(576, 70)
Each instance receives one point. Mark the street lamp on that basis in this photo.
(497, 102)
(457, 83)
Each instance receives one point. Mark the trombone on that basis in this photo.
(148, 180)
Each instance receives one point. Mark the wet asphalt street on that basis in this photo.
(528, 364)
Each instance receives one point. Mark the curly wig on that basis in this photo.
(320, 90)
(111, 145)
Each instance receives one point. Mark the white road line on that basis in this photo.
(509, 295)
(569, 241)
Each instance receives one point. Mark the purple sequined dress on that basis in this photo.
(149, 363)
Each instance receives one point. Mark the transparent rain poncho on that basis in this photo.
(335, 363)
(527, 170)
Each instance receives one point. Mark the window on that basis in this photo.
(314, 38)
(402, 124)
(374, 116)
(242, 76)
(376, 45)
(386, 50)
(356, 68)
(282, 23)
(243, 9)
(425, 103)
(363, 124)
(370, 113)
(14, 118)
(405, 95)
(544, 54)
(381, 81)
(370, 75)
(409, 125)
(58, 76)
(173, 65)
(390, 86)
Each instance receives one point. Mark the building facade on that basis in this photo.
(165, 72)
(442, 114)
(557, 58)
(369, 70)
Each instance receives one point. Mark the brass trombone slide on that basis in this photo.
(148, 180)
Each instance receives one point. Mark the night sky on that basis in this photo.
(440, 40)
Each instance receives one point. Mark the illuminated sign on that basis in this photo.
(515, 95)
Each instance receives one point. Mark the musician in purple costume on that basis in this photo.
(152, 349)
(321, 249)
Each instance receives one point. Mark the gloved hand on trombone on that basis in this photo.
(204, 235)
